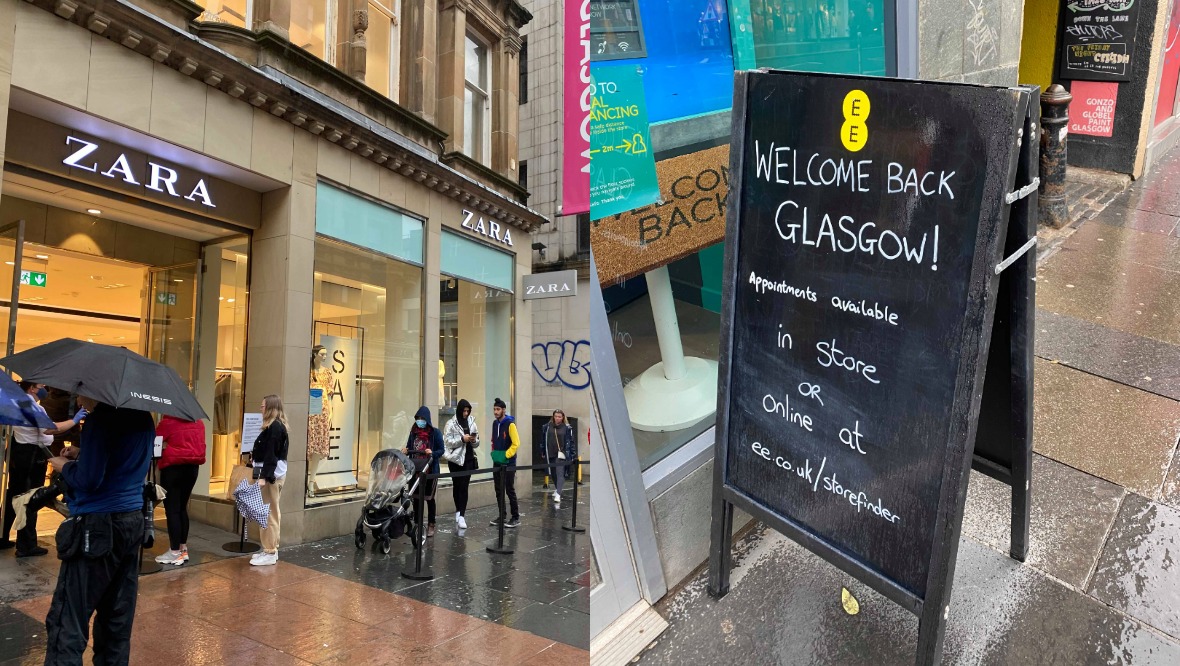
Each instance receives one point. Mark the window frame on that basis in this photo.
(395, 43)
(522, 92)
(484, 153)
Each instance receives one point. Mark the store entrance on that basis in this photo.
(174, 290)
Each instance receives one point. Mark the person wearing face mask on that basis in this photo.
(427, 443)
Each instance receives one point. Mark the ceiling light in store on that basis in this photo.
(42, 256)
(96, 277)
(230, 300)
(94, 211)
(95, 334)
(221, 298)
(113, 285)
(33, 299)
(121, 337)
(178, 280)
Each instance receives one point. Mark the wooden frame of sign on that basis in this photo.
(866, 223)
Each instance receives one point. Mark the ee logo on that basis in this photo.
(854, 134)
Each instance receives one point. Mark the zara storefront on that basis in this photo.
(227, 223)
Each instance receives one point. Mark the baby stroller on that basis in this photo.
(389, 508)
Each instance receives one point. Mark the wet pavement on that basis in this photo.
(1101, 584)
(330, 603)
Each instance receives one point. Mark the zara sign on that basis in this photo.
(551, 285)
(489, 229)
(157, 177)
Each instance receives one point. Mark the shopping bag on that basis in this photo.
(238, 474)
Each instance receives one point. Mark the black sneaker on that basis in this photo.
(33, 553)
(512, 522)
(5, 544)
(494, 522)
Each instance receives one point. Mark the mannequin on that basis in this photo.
(442, 376)
(318, 425)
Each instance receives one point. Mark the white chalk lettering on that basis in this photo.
(874, 311)
(830, 355)
(853, 237)
(783, 409)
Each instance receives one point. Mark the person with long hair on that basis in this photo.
(184, 453)
(461, 437)
(269, 458)
(559, 445)
(425, 447)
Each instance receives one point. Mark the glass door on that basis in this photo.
(12, 275)
(171, 317)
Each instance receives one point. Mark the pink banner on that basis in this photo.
(1092, 110)
(575, 180)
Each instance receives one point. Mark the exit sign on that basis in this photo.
(32, 278)
(166, 298)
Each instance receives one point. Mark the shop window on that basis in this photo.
(616, 30)
(524, 174)
(233, 12)
(313, 27)
(685, 57)
(835, 36)
(382, 55)
(367, 310)
(226, 266)
(477, 115)
(696, 288)
(476, 346)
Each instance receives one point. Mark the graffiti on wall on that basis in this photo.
(565, 362)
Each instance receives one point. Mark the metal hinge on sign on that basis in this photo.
(1016, 255)
(1012, 197)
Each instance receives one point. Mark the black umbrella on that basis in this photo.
(111, 375)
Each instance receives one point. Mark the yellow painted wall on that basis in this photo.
(1038, 42)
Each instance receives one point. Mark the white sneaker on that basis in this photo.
(460, 522)
(176, 557)
(267, 559)
(557, 497)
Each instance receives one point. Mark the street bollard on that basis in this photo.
(1053, 209)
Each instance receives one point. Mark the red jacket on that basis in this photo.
(184, 442)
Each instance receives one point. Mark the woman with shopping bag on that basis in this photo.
(269, 459)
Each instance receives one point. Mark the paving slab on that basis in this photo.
(1071, 514)
(1119, 214)
(1137, 571)
(1117, 277)
(1115, 432)
(1144, 363)
(784, 608)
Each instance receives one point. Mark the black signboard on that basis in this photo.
(866, 221)
(1097, 39)
(616, 30)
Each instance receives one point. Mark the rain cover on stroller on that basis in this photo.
(389, 473)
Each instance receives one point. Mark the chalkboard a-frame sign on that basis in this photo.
(867, 227)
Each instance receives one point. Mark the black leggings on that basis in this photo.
(462, 484)
(26, 472)
(178, 482)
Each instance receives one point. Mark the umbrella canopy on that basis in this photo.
(111, 375)
(248, 497)
(17, 407)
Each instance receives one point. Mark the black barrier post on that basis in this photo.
(573, 526)
(500, 548)
(419, 534)
(241, 545)
(1054, 210)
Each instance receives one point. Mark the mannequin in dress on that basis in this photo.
(318, 425)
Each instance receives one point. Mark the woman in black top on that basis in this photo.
(269, 458)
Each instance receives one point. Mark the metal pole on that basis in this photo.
(1054, 135)
(573, 526)
(419, 535)
(14, 299)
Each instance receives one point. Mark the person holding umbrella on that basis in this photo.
(99, 544)
(26, 471)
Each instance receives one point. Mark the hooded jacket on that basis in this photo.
(505, 440)
(184, 442)
(434, 437)
(453, 436)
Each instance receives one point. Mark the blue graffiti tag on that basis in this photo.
(567, 362)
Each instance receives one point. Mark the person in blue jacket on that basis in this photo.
(426, 440)
(505, 443)
(99, 543)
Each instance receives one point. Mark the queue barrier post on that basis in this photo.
(573, 526)
(500, 548)
(419, 533)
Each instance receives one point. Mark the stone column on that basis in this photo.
(419, 57)
(506, 105)
(352, 22)
(452, 33)
(273, 16)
